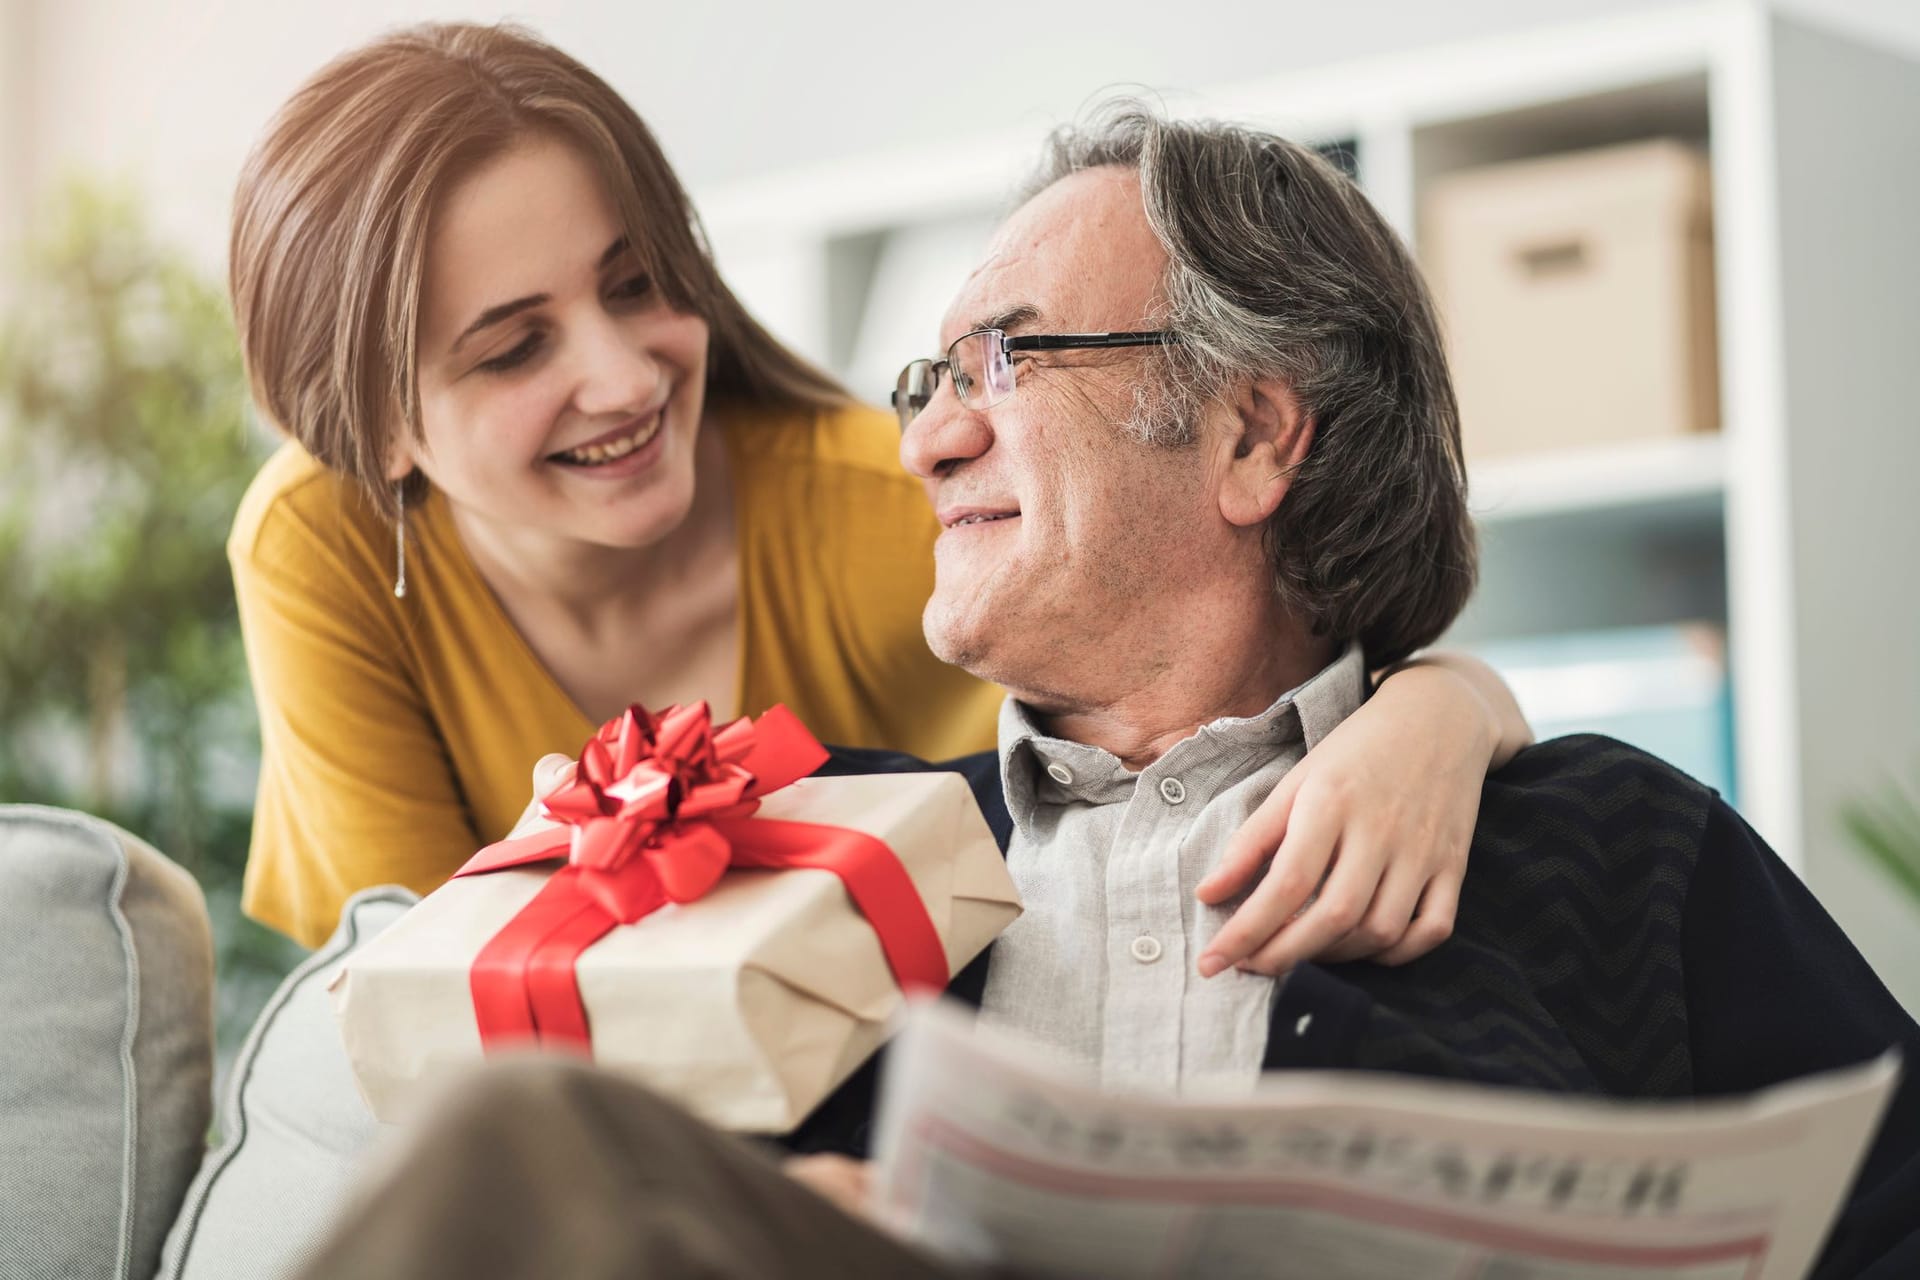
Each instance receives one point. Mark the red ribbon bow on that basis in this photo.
(659, 808)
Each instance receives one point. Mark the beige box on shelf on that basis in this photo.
(1576, 291)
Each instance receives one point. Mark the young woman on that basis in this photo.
(543, 464)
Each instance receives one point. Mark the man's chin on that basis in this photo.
(960, 641)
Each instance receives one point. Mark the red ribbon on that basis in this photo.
(659, 808)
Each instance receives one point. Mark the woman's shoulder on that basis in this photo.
(855, 440)
(835, 472)
(299, 517)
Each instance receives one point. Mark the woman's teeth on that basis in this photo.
(593, 455)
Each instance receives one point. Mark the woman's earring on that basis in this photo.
(400, 541)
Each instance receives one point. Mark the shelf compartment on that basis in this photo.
(1685, 472)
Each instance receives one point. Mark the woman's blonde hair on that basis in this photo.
(330, 231)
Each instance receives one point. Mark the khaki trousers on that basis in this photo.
(546, 1168)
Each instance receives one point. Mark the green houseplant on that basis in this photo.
(125, 444)
(1887, 829)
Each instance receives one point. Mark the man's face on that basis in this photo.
(1068, 546)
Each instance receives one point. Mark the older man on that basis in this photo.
(1200, 451)
(1194, 445)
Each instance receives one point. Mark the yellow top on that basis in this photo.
(399, 735)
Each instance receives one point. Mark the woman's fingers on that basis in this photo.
(1296, 872)
(847, 1183)
(550, 773)
(1338, 910)
(1386, 919)
(1254, 844)
(1432, 921)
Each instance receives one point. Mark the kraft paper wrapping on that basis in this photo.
(748, 1007)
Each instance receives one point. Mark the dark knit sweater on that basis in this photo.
(1621, 931)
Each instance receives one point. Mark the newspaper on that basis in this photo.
(986, 1153)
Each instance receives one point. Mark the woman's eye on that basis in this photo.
(519, 355)
(635, 287)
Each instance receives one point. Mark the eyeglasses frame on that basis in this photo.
(1023, 342)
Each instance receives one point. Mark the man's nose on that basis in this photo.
(943, 435)
(616, 371)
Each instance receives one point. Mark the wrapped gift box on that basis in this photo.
(748, 1005)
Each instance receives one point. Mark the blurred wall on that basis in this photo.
(16, 120)
(172, 93)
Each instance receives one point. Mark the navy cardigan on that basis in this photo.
(1622, 932)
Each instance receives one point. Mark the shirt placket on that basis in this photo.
(1146, 943)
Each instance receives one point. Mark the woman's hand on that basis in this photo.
(550, 773)
(1368, 834)
(847, 1183)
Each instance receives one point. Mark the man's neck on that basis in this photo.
(1225, 672)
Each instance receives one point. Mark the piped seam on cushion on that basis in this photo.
(201, 1190)
(129, 1033)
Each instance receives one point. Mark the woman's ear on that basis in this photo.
(1271, 442)
(400, 460)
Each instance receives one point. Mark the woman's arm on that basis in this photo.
(355, 785)
(1513, 733)
(1368, 835)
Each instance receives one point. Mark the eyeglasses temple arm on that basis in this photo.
(1074, 341)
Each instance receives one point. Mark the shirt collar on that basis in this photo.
(1034, 764)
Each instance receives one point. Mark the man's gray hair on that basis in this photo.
(1280, 269)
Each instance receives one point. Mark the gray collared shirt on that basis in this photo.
(1101, 967)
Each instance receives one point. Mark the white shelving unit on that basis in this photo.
(1626, 478)
(1794, 527)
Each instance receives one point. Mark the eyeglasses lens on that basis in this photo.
(911, 393)
(982, 373)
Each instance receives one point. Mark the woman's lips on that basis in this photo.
(612, 445)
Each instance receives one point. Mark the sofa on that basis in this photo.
(107, 1064)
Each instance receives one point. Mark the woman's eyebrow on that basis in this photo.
(494, 315)
(506, 310)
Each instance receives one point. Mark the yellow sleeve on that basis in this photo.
(355, 787)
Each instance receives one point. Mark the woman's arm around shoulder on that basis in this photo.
(1367, 837)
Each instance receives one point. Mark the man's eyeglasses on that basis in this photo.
(981, 365)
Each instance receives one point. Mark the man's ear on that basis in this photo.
(1272, 440)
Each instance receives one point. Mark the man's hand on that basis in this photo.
(550, 774)
(1368, 835)
(847, 1183)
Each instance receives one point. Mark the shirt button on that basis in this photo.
(1145, 949)
(1060, 774)
(1171, 791)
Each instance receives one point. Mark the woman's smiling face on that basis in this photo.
(559, 392)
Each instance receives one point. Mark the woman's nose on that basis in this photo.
(943, 435)
(617, 371)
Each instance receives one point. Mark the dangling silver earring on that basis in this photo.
(400, 541)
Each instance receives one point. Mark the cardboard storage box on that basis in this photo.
(1577, 295)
